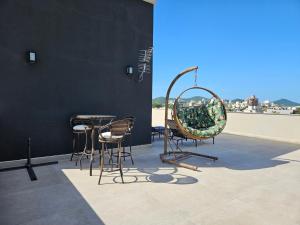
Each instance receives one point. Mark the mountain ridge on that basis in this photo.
(282, 102)
(286, 102)
(161, 100)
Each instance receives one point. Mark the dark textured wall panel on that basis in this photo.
(82, 49)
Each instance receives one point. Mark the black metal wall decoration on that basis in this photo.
(144, 65)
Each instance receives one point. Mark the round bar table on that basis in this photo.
(92, 121)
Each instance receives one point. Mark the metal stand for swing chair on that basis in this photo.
(179, 155)
(29, 166)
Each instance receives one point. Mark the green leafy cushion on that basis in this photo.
(205, 120)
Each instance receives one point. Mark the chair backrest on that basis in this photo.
(174, 128)
(120, 127)
(171, 124)
(131, 122)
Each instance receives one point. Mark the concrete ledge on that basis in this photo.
(285, 128)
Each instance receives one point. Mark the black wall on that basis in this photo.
(82, 49)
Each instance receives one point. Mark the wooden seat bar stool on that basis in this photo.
(128, 136)
(79, 128)
(128, 140)
(113, 133)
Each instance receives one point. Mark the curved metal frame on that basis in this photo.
(165, 154)
(167, 103)
(181, 128)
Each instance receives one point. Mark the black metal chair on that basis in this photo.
(175, 134)
(157, 130)
(113, 133)
(78, 129)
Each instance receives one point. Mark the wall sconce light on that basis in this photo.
(31, 57)
(129, 71)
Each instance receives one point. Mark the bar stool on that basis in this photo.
(128, 137)
(113, 133)
(78, 129)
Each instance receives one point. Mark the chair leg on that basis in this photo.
(124, 157)
(130, 143)
(112, 158)
(120, 161)
(110, 154)
(82, 153)
(77, 149)
(73, 147)
(86, 141)
(101, 163)
(130, 151)
(80, 161)
(131, 156)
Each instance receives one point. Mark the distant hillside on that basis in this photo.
(195, 98)
(237, 100)
(161, 100)
(286, 102)
(281, 102)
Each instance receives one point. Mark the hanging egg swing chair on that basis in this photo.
(204, 121)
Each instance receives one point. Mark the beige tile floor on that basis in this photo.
(254, 182)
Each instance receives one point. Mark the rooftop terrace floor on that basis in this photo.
(254, 181)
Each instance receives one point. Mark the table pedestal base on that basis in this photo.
(28, 164)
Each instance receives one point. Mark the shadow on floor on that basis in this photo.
(151, 170)
(234, 152)
(238, 152)
(52, 199)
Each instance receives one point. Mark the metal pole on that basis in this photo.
(167, 104)
(29, 151)
(28, 164)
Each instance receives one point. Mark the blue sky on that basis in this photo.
(242, 47)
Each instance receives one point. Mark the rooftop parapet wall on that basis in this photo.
(268, 126)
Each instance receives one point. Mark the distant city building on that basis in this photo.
(249, 105)
(252, 101)
(253, 106)
(266, 103)
(279, 110)
(191, 103)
